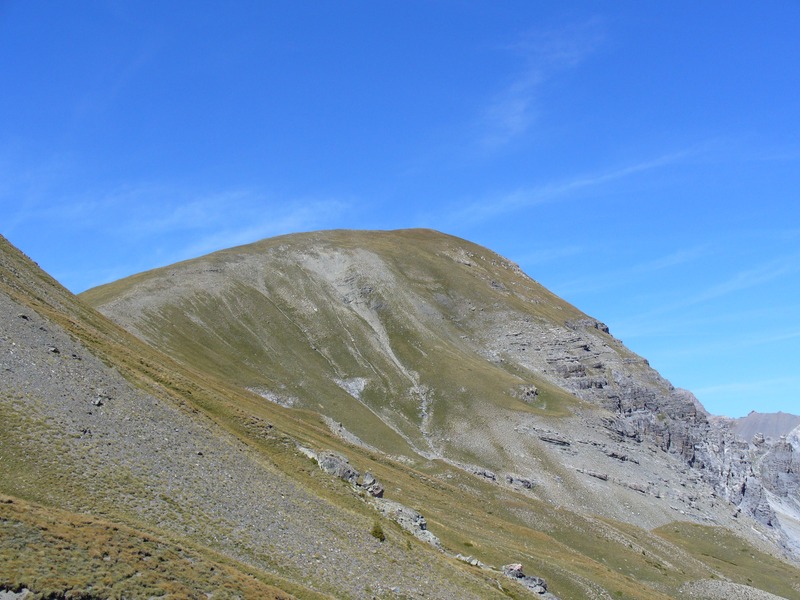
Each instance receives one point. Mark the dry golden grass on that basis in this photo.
(56, 552)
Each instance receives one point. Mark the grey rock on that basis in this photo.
(621, 457)
(337, 465)
(769, 425)
(485, 473)
(526, 393)
(519, 481)
(648, 413)
(596, 475)
(23, 594)
(408, 518)
(534, 584)
(470, 560)
(555, 440)
(637, 487)
(587, 324)
(371, 485)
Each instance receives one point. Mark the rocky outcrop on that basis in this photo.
(646, 410)
(534, 584)
(780, 468)
(372, 486)
(470, 560)
(755, 477)
(519, 481)
(337, 465)
(21, 594)
(409, 519)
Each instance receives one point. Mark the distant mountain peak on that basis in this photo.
(772, 425)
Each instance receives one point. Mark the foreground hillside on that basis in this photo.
(156, 467)
(459, 384)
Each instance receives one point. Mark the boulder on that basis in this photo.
(517, 481)
(372, 486)
(409, 519)
(337, 465)
(534, 584)
(470, 560)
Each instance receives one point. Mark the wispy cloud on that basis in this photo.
(731, 345)
(522, 198)
(24, 186)
(714, 307)
(681, 325)
(673, 259)
(146, 225)
(198, 223)
(560, 47)
(614, 278)
(144, 210)
(513, 110)
(296, 216)
(758, 388)
(737, 398)
(114, 83)
(753, 277)
(748, 278)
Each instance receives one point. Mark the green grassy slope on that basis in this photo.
(291, 316)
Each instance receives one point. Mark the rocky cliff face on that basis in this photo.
(760, 477)
(778, 468)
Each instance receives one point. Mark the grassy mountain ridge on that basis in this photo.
(179, 448)
(329, 317)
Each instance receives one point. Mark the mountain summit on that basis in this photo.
(427, 347)
(388, 414)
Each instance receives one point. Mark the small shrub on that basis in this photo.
(377, 532)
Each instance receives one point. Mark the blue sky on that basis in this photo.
(640, 159)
